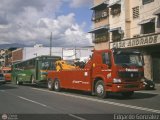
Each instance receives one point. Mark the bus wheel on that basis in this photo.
(50, 85)
(127, 94)
(32, 79)
(18, 83)
(57, 85)
(100, 89)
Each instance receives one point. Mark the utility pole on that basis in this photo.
(62, 53)
(51, 44)
(75, 52)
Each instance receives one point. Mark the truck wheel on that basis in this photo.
(50, 85)
(57, 85)
(100, 89)
(127, 94)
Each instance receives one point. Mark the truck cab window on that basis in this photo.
(106, 58)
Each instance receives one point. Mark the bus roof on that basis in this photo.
(42, 56)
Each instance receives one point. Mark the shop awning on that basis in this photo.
(157, 12)
(115, 3)
(147, 21)
(102, 5)
(114, 29)
(99, 29)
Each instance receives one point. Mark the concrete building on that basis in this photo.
(6, 56)
(66, 53)
(2, 57)
(129, 24)
(17, 55)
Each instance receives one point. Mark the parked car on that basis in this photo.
(149, 84)
(2, 79)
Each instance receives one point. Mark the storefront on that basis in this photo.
(150, 46)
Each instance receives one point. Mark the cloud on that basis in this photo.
(80, 3)
(31, 22)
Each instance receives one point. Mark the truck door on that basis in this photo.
(106, 66)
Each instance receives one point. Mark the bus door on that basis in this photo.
(37, 70)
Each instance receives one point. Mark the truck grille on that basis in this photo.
(131, 86)
(130, 75)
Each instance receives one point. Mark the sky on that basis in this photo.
(30, 22)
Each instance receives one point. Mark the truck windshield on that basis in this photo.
(128, 59)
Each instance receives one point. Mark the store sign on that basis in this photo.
(135, 42)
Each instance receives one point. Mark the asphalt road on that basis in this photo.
(67, 105)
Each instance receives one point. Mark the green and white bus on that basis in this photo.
(33, 70)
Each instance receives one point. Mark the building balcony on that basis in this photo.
(100, 15)
(100, 6)
(115, 11)
(100, 39)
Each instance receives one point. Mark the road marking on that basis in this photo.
(77, 117)
(102, 101)
(2, 90)
(32, 101)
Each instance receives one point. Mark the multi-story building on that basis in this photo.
(26, 53)
(100, 18)
(2, 57)
(129, 24)
(6, 56)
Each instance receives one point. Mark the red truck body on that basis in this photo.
(101, 74)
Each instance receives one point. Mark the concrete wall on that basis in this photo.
(17, 55)
(148, 66)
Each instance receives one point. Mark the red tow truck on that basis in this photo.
(115, 70)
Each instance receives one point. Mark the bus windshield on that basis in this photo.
(128, 59)
(48, 65)
(7, 71)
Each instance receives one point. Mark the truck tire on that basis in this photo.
(100, 89)
(127, 94)
(50, 85)
(57, 85)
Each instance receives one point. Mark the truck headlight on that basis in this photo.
(115, 80)
(142, 80)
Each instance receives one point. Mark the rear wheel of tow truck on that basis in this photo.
(127, 94)
(50, 85)
(57, 85)
(100, 89)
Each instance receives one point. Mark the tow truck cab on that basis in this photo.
(121, 70)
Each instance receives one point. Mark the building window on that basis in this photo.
(147, 1)
(116, 36)
(101, 37)
(99, 15)
(158, 24)
(115, 10)
(135, 12)
(148, 28)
